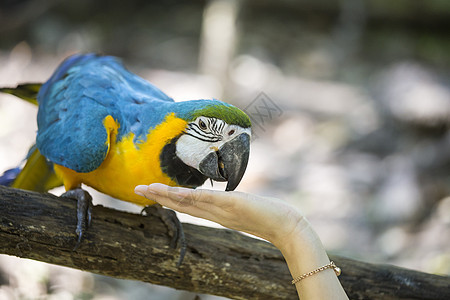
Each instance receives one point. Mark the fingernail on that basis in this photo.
(140, 190)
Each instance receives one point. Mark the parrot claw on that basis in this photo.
(174, 227)
(84, 212)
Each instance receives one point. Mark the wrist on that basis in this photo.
(303, 238)
(306, 258)
(303, 247)
(294, 227)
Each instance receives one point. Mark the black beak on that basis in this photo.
(229, 162)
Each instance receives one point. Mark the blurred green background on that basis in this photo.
(360, 142)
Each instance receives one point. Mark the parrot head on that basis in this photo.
(215, 144)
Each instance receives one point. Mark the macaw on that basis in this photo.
(103, 126)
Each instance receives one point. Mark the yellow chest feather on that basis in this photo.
(126, 164)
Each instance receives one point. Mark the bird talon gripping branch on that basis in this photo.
(173, 225)
(84, 212)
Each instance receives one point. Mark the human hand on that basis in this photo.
(268, 218)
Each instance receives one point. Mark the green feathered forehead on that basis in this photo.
(224, 111)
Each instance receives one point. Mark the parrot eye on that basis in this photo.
(202, 125)
(231, 132)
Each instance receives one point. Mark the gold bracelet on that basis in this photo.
(332, 265)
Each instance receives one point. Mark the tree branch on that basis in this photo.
(219, 262)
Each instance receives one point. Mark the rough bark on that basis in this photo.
(219, 262)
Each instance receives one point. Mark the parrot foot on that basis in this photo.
(174, 227)
(84, 211)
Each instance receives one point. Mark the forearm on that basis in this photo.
(304, 253)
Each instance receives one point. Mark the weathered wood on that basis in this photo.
(220, 262)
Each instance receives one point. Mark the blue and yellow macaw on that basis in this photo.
(103, 126)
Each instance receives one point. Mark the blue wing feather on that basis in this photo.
(85, 89)
(74, 102)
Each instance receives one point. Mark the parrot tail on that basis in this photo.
(37, 174)
(9, 176)
(27, 91)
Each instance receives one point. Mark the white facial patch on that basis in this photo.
(203, 136)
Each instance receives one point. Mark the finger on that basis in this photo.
(141, 190)
(187, 200)
(182, 206)
(175, 193)
(195, 197)
(215, 206)
(166, 197)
